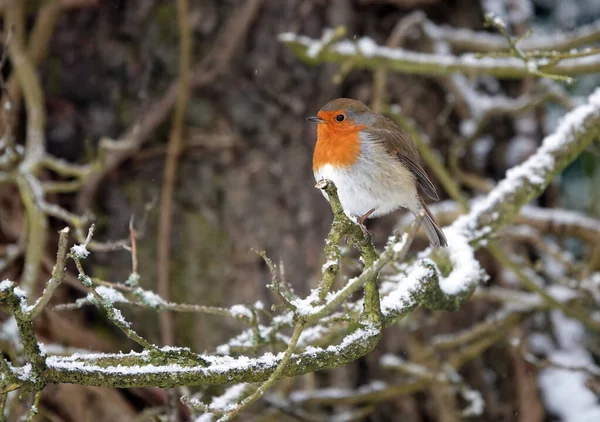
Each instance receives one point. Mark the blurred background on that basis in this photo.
(244, 179)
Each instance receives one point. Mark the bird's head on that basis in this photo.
(343, 116)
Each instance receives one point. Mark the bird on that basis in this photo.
(374, 164)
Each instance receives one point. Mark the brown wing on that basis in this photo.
(401, 146)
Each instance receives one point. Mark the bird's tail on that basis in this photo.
(434, 232)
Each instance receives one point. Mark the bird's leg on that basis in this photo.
(366, 215)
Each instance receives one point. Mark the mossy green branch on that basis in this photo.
(358, 237)
(140, 369)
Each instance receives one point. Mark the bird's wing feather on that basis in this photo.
(399, 144)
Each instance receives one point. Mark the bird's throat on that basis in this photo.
(336, 148)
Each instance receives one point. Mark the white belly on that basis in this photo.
(379, 184)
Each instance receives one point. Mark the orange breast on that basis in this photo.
(339, 148)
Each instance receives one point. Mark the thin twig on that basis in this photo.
(133, 240)
(34, 409)
(58, 274)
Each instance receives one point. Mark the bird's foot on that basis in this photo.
(361, 220)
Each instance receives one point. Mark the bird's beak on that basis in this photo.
(315, 119)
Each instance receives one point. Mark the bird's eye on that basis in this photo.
(340, 117)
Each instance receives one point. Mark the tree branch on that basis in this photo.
(366, 54)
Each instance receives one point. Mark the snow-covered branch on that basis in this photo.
(367, 54)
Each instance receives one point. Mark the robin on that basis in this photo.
(374, 164)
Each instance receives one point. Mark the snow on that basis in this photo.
(403, 296)
(465, 230)
(481, 149)
(227, 400)
(532, 66)
(337, 393)
(305, 307)
(6, 285)
(118, 317)
(241, 311)
(368, 48)
(330, 263)
(9, 331)
(20, 293)
(564, 391)
(23, 373)
(561, 216)
(149, 298)
(466, 270)
(223, 403)
(475, 401)
(109, 293)
(316, 48)
(393, 361)
(401, 243)
(80, 251)
(217, 364)
(533, 171)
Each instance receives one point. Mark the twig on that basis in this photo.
(27, 78)
(276, 282)
(468, 40)
(40, 37)
(3, 397)
(58, 273)
(79, 252)
(529, 62)
(37, 226)
(591, 370)
(33, 411)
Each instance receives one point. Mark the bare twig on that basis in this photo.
(58, 273)
(34, 409)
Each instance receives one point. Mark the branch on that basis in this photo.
(358, 237)
(58, 274)
(366, 54)
(469, 40)
(79, 252)
(577, 129)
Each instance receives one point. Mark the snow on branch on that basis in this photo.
(576, 130)
(366, 53)
(466, 39)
